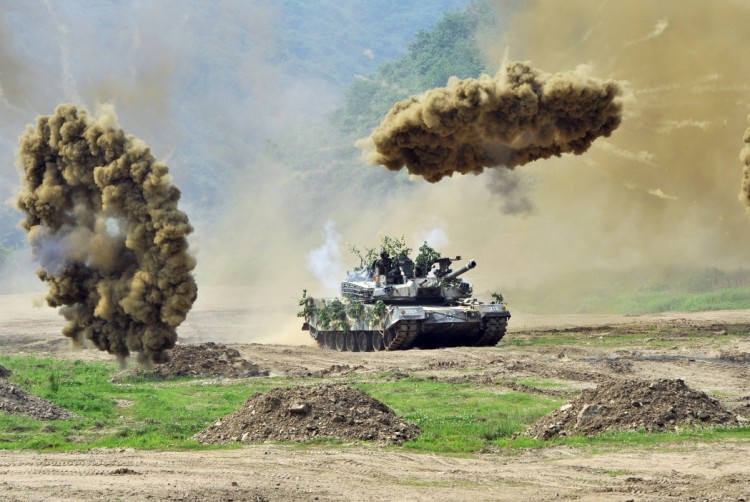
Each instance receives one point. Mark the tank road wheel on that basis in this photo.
(364, 340)
(330, 340)
(352, 345)
(377, 342)
(340, 341)
(493, 332)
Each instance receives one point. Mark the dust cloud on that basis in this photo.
(520, 115)
(745, 158)
(103, 223)
(662, 190)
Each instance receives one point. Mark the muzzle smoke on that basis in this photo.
(325, 261)
(102, 221)
(520, 115)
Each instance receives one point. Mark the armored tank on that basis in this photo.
(397, 304)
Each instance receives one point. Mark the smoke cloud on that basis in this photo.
(745, 158)
(102, 220)
(515, 190)
(520, 115)
(325, 261)
(661, 191)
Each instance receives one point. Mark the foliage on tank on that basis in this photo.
(391, 302)
(335, 314)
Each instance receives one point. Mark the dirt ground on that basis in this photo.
(712, 363)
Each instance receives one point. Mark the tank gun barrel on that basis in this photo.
(462, 270)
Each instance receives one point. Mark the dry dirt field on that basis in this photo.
(712, 363)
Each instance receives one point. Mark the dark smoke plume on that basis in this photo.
(514, 189)
(745, 158)
(520, 115)
(103, 222)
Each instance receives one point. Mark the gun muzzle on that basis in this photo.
(461, 270)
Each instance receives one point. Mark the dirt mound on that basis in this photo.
(208, 359)
(659, 405)
(16, 400)
(304, 413)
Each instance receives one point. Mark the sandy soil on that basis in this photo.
(269, 472)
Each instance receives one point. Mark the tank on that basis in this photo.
(397, 304)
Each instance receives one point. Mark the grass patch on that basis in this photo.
(587, 338)
(674, 301)
(636, 291)
(615, 439)
(460, 418)
(158, 415)
(622, 336)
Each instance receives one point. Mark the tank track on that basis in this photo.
(318, 336)
(493, 332)
(400, 338)
(403, 337)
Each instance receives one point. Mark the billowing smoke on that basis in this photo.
(102, 220)
(325, 261)
(435, 237)
(745, 158)
(520, 115)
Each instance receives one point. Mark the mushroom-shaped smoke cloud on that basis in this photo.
(102, 220)
(520, 115)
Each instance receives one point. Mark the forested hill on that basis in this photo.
(340, 41)
(449, 49)
(220, 90)
(254, 107)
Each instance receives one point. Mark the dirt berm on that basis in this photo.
(207, 359)
(14, 399)
(304, 413)
(633, 405)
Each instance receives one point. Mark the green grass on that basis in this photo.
(160, 415)
(460, 418)
(667, 301)
(617, 440)
(621, 336)
(635, 291)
